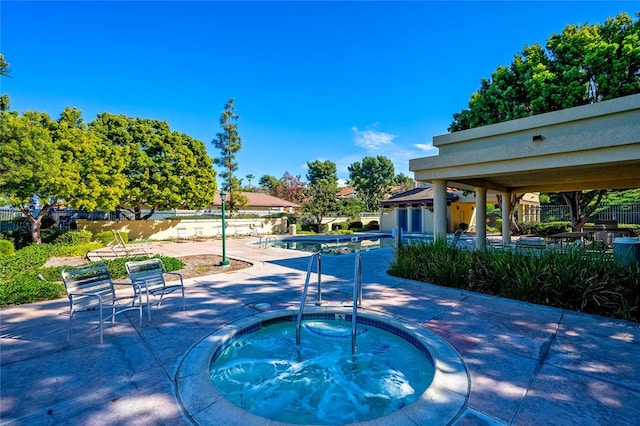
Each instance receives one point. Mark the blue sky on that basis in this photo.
(311, 81)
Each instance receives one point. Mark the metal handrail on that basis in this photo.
(266, 241)
(357, 299)
(316, 255)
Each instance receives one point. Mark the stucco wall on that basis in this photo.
(168, 229)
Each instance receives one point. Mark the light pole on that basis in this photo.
(224, 261)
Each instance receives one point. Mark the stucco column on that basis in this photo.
(409, 218)
(439, 209)
(481, 218)
(423, 217)
(506, 222)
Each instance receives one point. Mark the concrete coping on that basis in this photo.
(442, 402)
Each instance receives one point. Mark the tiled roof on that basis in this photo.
(416, 195)
(260, 199)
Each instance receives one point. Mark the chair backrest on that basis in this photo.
(149, 271)
(531, 243)
(456, 236)
(91, 278)
(118, 238)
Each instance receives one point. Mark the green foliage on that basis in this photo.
(581, 65)
(55, 160)
(19, 281)
(545, 229)
(574, 280)
(229, 143)
(339, 226)
(372, 180)
(25, 287)
(75, 250)
(321, 190)
(6, 248)
(105, 237)
(28, 258)
(74, 237)
(355, 225)
(166, 169)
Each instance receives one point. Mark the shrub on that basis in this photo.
(75, 237)
(374, 225)
(25, 287)
(66, 250)
(339, 226)
(104, 237)
(543, 229)
(572, 280)
(6, 248)
(356, 225)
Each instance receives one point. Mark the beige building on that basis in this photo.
(593, 146)
(412, 211)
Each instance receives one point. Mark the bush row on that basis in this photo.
(574, 280)
(23, 279)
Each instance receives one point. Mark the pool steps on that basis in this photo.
(357, 294)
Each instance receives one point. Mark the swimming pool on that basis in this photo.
(334, 244)
(440, 403)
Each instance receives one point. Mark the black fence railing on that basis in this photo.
(13, 220)
(624, 213)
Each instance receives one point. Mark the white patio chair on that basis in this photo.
(147, 277)
(90, 287)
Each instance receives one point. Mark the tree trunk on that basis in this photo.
(580, 209)
(36, 221)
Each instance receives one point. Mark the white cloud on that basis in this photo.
(428, 148)
(371, 139)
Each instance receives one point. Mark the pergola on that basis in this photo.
(593, 146)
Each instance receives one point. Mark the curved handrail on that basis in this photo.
(315, 255)
(357, 299)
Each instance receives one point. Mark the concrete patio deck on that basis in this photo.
(527, 364)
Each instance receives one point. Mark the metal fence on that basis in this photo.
(14, 220)
(624, 213)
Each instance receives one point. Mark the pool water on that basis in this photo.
(320, 381)
(339, 245)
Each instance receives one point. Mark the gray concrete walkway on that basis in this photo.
(528, 364)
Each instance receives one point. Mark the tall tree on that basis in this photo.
(166, 169)
(582, 65)
(54, 162)
(292, 188)
(268, 184)
(372, 180)
(322, 187)
(4, 72)
(250, 177)
(404, 182)
(229, 143)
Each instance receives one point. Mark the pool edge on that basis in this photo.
(442, 403)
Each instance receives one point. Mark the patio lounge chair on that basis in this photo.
(530, 244)
(147, 277)
(183, 235)
(121, 249)
(90, 287)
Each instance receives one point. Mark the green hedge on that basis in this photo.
(575, 280)
(20, 273)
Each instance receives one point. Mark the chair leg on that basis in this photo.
(69, 328)
(101, 324)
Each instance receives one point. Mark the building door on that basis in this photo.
(416, 220)
(402, 219)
